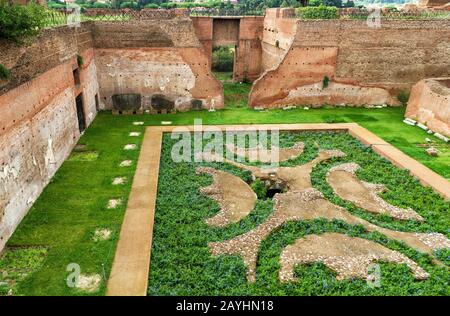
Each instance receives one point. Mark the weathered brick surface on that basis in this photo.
(429, 104)
(248, 60)
(203, 27)
(397, 55)
(181, 74)
(153, 33)
(51, 48)
(369, 61)
(38, 129)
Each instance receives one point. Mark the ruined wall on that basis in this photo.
(278, 34)
(50, 49)
(429, 104)
(160, 61)
(163, 64)
(38, 120)
(248, 59)
(432, 3)
(203, 27)
(364, 65)
(225, 31)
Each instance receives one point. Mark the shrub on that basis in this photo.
(259, 188)
(5, 74)
(403, 97)
(151, 6)
(168, 5)
(349, 4)
(19, 21)
(315, 3)
(325, 82)
(55, 5)
(99, 5)
(223, 59)
(129, 5)
(318, 13)
(80, 61)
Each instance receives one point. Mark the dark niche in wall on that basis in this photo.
(197, 104)
(126, 102)
(160, 102)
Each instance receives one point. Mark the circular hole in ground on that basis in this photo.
(271, 192)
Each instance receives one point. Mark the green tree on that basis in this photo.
(18, 21)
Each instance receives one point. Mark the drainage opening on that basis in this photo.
(271, 192)
(267, 189)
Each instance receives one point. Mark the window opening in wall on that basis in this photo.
(223, 62)
(80, 113)
(97, 103)
(76, 76)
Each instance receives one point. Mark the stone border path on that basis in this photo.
(131, 266)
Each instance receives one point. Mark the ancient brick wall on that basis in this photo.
(278, 35)
(364, 65)
(248, 59)
(203, 27)
(432, 3)
(51, 48)
(38, 121)
(163, 62)
(429, 104)
(38, 112)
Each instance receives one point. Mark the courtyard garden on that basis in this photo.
(78, 217)
(196, 252)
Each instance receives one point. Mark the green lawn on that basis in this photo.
(74, 204)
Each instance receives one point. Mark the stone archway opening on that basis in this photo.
(225, 41)
(223, 60)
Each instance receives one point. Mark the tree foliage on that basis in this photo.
(223, 59)
(18, 21)
(321, 12)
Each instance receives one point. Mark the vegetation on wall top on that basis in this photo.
(170, 4)
(80, 61)
(5, 74)
(318, 13)
(18, 22)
